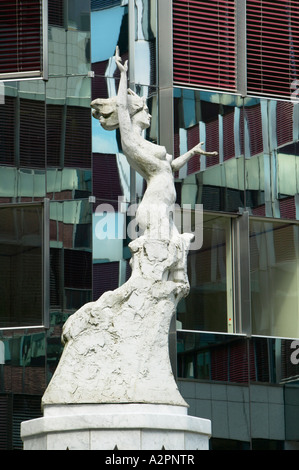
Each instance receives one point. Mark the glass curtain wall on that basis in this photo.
(256, 172)
(45, 152)
(250, 174)
(116, 188)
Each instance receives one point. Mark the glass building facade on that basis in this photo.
(66, 191)
(45, 211)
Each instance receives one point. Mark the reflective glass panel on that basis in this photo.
(271, 149)
(21, 265)
(22, 124)
(274, 264)
(217, 120)
(232, 358)
(229, 379)
(69, 37)
(213, 357)
(70, 254)
(209, 305)
(145, 42)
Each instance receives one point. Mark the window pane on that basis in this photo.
(21, 38)
(272, 47)
(232, 358)
(220, 358)
(21, 266)
(204, 43)
(145, 42)
(217, 119)
(274, 259)
(208, 306)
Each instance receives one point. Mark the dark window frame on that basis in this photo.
(24, 39)
(45, 214)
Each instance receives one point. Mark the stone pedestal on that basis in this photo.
(113, 387)
(116, 427)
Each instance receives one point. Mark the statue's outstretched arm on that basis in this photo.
(183, 159)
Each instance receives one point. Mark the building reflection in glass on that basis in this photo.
(257, 142)
(217, 120)
(21, 265)
(112, 175)
(248, 386)
(209, 305)
(274, 262)
(45, 153)
(235, 359)
(272, 130)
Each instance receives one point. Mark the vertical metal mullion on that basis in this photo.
(131, 38)
(46, 262)
(242, 275)
(131, 35)
(45, 21)
(241, 47)
(63, 132)
(17, 122)
(165, 75)
(229, 280)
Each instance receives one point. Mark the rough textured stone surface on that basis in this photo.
(116, 349)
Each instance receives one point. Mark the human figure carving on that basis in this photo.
(130, 113)
(116, 348)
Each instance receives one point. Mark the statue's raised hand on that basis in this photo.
(198, 150)
(121, 67)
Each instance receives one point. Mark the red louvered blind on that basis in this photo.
(228, 131)
(253, 116)
(7, 123)
(77, 153)
(105, 278)
(106, 180)
(272, 47)
(20, 37)
(77, 269)
(32, 133)
(212, 141)
(284, 123)
(287, 208)
(193, 138)
(56, 12)
(204, 46)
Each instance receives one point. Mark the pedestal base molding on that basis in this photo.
(116, 427)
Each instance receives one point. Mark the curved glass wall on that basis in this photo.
(116, 188)
(244, 279)
(216, 119)
(274, 267)
(209, 305)
(257, 143)
(45, 154)
(255, 172)
(271, 136)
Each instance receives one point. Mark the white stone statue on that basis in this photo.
(116, 348)
(130, 113)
